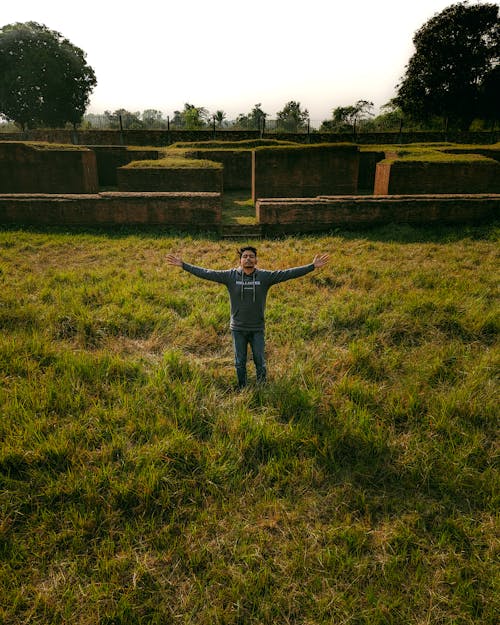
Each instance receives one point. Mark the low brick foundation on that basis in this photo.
(154, 179)
(296, 215)
(402, 177)
(184, 211)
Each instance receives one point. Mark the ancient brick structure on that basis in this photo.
(184, 211)
(167, 137)
(193, 179)
(305, 171)
(395, 177)
(492, 152)
(297, 215)
(237, 165)
(110, 157)
(26, 168)
(367, 168)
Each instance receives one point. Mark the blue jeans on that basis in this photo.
(241, 340)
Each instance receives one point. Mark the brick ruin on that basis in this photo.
(183, 211)
(416, 177)
(26, 168)
(292, 187)
(309, 215)
(191, 179)
(304, 171)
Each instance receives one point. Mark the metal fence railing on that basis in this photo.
(265, 124)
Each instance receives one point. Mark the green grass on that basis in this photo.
(358, 486)
(174, 162)
(45, 145)
(238, 208)
(434, 152)
(245, 144)
(439, 157)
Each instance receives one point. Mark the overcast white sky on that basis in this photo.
(231, 55)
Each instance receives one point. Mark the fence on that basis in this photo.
(264, 124)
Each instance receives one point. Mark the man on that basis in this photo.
(248, 287)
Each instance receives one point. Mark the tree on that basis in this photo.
(292, 118)
(219, 117)
(44, 79)
(347, 118)
(252, 120)
(129, 121)
(191, 118)
(153, 118)
(454, 65)
(489, 96)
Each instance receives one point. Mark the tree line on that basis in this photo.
(357, 117)
(452, 80)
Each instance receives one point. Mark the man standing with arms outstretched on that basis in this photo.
(248, 287)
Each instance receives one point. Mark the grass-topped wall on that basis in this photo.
(47, 168)
(490, 151)
(304, 171)
(171, 174)
(437, 172)
(235, 156)
(245, 144)
(110, 157)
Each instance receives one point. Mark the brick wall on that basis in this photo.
(367, 168)
(185, 211)
(110, 157)
(170, 179)
(165, 137)
(304, 172)
(400, 177)
(237, 166)
(27, 169)
(299, 215)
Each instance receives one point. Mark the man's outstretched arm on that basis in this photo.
(320, 260)
(176, 261)
(206, 274)
(282, 275)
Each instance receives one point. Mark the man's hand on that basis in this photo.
(174, 260)
(320, 260)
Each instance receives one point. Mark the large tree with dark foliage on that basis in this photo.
(292, 118)
(44, 78)
(454, 72)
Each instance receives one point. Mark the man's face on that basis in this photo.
(248, 260)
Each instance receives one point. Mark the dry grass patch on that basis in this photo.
(358, 485)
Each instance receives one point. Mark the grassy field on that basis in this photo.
(358, 486)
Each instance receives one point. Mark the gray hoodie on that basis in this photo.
(248, 293)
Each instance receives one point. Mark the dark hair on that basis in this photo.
(247, 248)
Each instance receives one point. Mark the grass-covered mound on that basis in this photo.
(174, 162)
(435, 151)
(358, 486)
(45, 145)
(245, 144)
(306, 146)
(435, 156)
